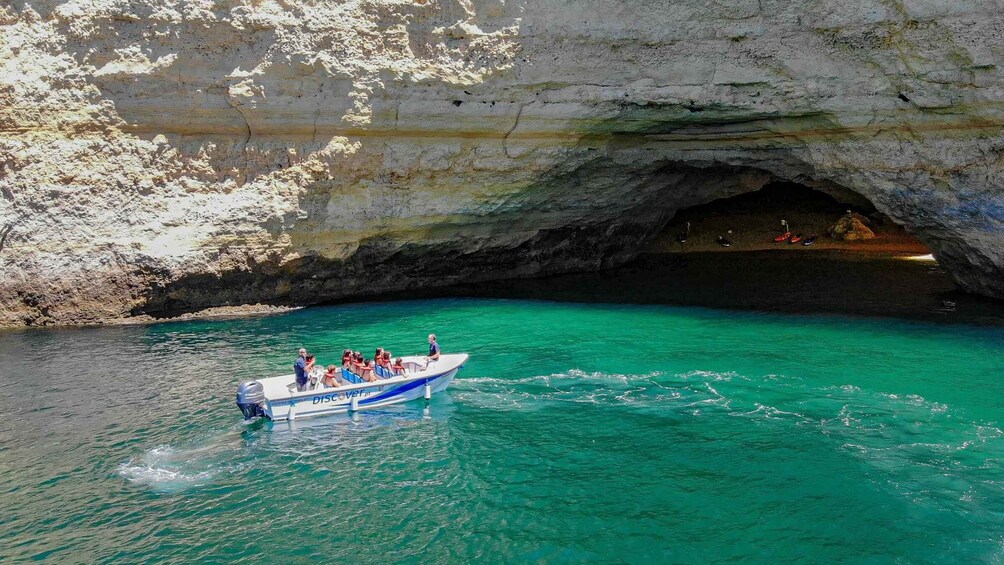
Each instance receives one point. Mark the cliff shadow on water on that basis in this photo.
(822, 282)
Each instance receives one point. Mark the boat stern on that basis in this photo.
(251, 399)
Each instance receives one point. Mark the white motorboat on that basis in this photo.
(276, 398)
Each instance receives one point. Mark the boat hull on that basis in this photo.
(281, 402)
(334, 401)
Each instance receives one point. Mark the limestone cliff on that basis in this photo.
(160, 156)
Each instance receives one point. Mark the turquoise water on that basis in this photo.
(577, 432)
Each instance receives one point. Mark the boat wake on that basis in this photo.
(170, 469)
(926, 451)
(650, 389)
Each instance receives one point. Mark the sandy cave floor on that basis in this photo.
(755, 219)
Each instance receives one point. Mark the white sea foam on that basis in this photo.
(164, 469)
(162, 476)
(715, 376)
(168, 468)
(556, 379)
(910, 442)
(879, 427)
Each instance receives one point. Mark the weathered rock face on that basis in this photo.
(163, 156)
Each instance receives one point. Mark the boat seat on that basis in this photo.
(316, 380)
(351, 377)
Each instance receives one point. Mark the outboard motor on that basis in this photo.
(251, 399)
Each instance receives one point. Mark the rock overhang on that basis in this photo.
(264, 140)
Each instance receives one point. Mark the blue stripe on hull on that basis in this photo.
(404, 388)
(395, 395)
(343, 408)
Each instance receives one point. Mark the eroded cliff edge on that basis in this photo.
(162, 157)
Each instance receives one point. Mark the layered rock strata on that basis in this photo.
(162, 157)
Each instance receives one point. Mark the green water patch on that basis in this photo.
(576, 432)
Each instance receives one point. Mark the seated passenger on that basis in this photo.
(331, 377)
(385, 361)
(398, 367)
(347, 359)
(367, 371)
(378, 355)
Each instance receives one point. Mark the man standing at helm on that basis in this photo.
(300, 366)
(433, 350)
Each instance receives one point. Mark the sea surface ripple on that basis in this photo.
(577, 432)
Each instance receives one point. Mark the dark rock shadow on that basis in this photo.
(830, 282)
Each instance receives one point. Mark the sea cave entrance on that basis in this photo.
(751, 222)
(873, 276)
